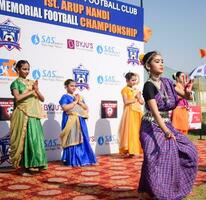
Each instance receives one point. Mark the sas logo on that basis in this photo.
(81, 76)
(45, 74)
(9, 35)
(52, 144)
(107, 140)
(45, 40)
(107, 50)
(7, 68)
(107, 80)
(81, 45)
(4, 149)
(133, 55)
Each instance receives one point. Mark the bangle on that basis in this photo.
(167, 134)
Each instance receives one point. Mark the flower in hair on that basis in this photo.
(141, 56)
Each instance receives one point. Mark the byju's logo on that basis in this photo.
(107, 80)
(45, 40)
(45, 74)
(9, 35)
(52, 108)
(107, 50)
(133, 55)
(81, 75)
(70, 44)
(79, 45)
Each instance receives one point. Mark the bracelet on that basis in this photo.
(167, 134)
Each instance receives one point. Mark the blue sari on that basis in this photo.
(78, 154)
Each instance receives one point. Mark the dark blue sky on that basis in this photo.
(179, 30)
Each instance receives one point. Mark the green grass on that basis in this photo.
(194, 137)
(198, 193)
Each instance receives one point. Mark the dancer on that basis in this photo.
(74, 136)
(26, 132)
(170, 158)
(129, 144)
(180, 115)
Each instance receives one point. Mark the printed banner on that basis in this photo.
(106, 16)
(109, 109)
(195, 117)
(6, 108)
(94, 42)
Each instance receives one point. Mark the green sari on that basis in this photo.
(26, 132)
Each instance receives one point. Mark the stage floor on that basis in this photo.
(113, 177)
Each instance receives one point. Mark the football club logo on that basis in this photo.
(133, 55)
(109, 109)
(9, 35)
(81, 77)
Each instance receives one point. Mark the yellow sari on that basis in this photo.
(130, 125)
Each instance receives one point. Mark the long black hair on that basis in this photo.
(20, 63)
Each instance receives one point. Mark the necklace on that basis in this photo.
(156, 81)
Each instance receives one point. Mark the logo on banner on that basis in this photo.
(109, 109)
(47, 75)
(107, 80)
(52, 108)
(80, 45)
(4, 149)
(45, 40)
(52, 144)
(107, 50)
(81, 75)
(7, 68)
(6, 108)
(133, 55)
(9, 35)
(107, 139)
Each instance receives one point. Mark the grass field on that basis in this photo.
(199, 192)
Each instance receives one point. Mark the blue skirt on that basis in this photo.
(81, 154)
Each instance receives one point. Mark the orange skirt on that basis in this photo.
(129, 138)
(180, 119)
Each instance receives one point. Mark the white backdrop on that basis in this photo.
(52, 62)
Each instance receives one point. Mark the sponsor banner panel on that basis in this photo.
(57, 51)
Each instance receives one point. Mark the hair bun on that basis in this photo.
(174, 76)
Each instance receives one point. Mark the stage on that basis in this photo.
(113, 177)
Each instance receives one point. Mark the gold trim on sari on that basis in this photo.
(71, 134)
(25, 108)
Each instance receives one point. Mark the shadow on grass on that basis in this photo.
(199, 132)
